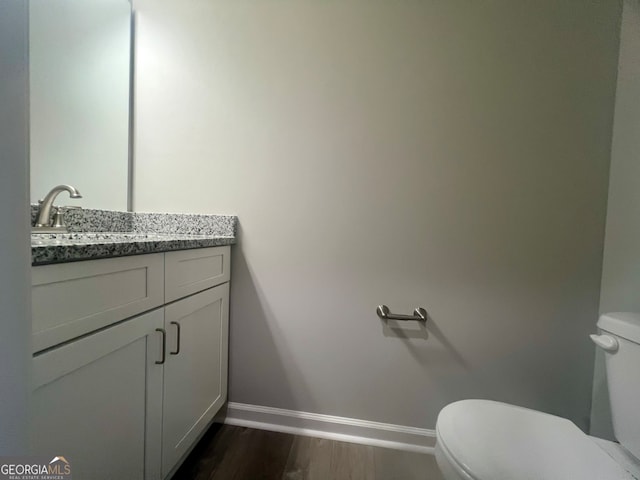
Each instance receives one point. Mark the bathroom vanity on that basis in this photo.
(130, 352)
(129, 310)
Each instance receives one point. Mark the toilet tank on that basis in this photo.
(620, 339)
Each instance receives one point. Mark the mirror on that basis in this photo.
(79, 61)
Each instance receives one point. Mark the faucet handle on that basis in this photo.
(58, 219)
(58, 216)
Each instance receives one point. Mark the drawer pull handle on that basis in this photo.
(164, 345)
(419, 314)
(177, 340)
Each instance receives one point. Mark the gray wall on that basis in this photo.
(15, 255)
(621, 266)
(449, 154)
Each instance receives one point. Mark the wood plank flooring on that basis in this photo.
(237, 453)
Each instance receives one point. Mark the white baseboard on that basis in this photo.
(333, 428)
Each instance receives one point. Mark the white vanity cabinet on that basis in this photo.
(97, 401)
(128, 400)
(197, 332)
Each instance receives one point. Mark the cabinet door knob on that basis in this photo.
(177, 340)
(164, 345)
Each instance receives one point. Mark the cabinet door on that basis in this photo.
(195, 373)
(97, 401)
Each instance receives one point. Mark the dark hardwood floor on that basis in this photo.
(237, 453)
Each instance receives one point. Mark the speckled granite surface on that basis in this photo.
(58, 248)
(91, 220)
(189, 224)
(104, 233)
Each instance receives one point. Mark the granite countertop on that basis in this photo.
(89, 237)
(72, 247)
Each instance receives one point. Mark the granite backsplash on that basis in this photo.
(93, 220)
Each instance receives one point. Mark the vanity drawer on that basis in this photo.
(72, 299)
(191, 271)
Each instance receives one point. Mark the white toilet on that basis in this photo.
(486, 440)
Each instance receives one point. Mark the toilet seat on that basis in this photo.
(486, 440)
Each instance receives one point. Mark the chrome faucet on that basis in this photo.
(44, 215)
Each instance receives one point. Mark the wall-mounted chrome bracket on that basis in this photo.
(419, 314)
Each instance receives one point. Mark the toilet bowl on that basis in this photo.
(487, 440)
